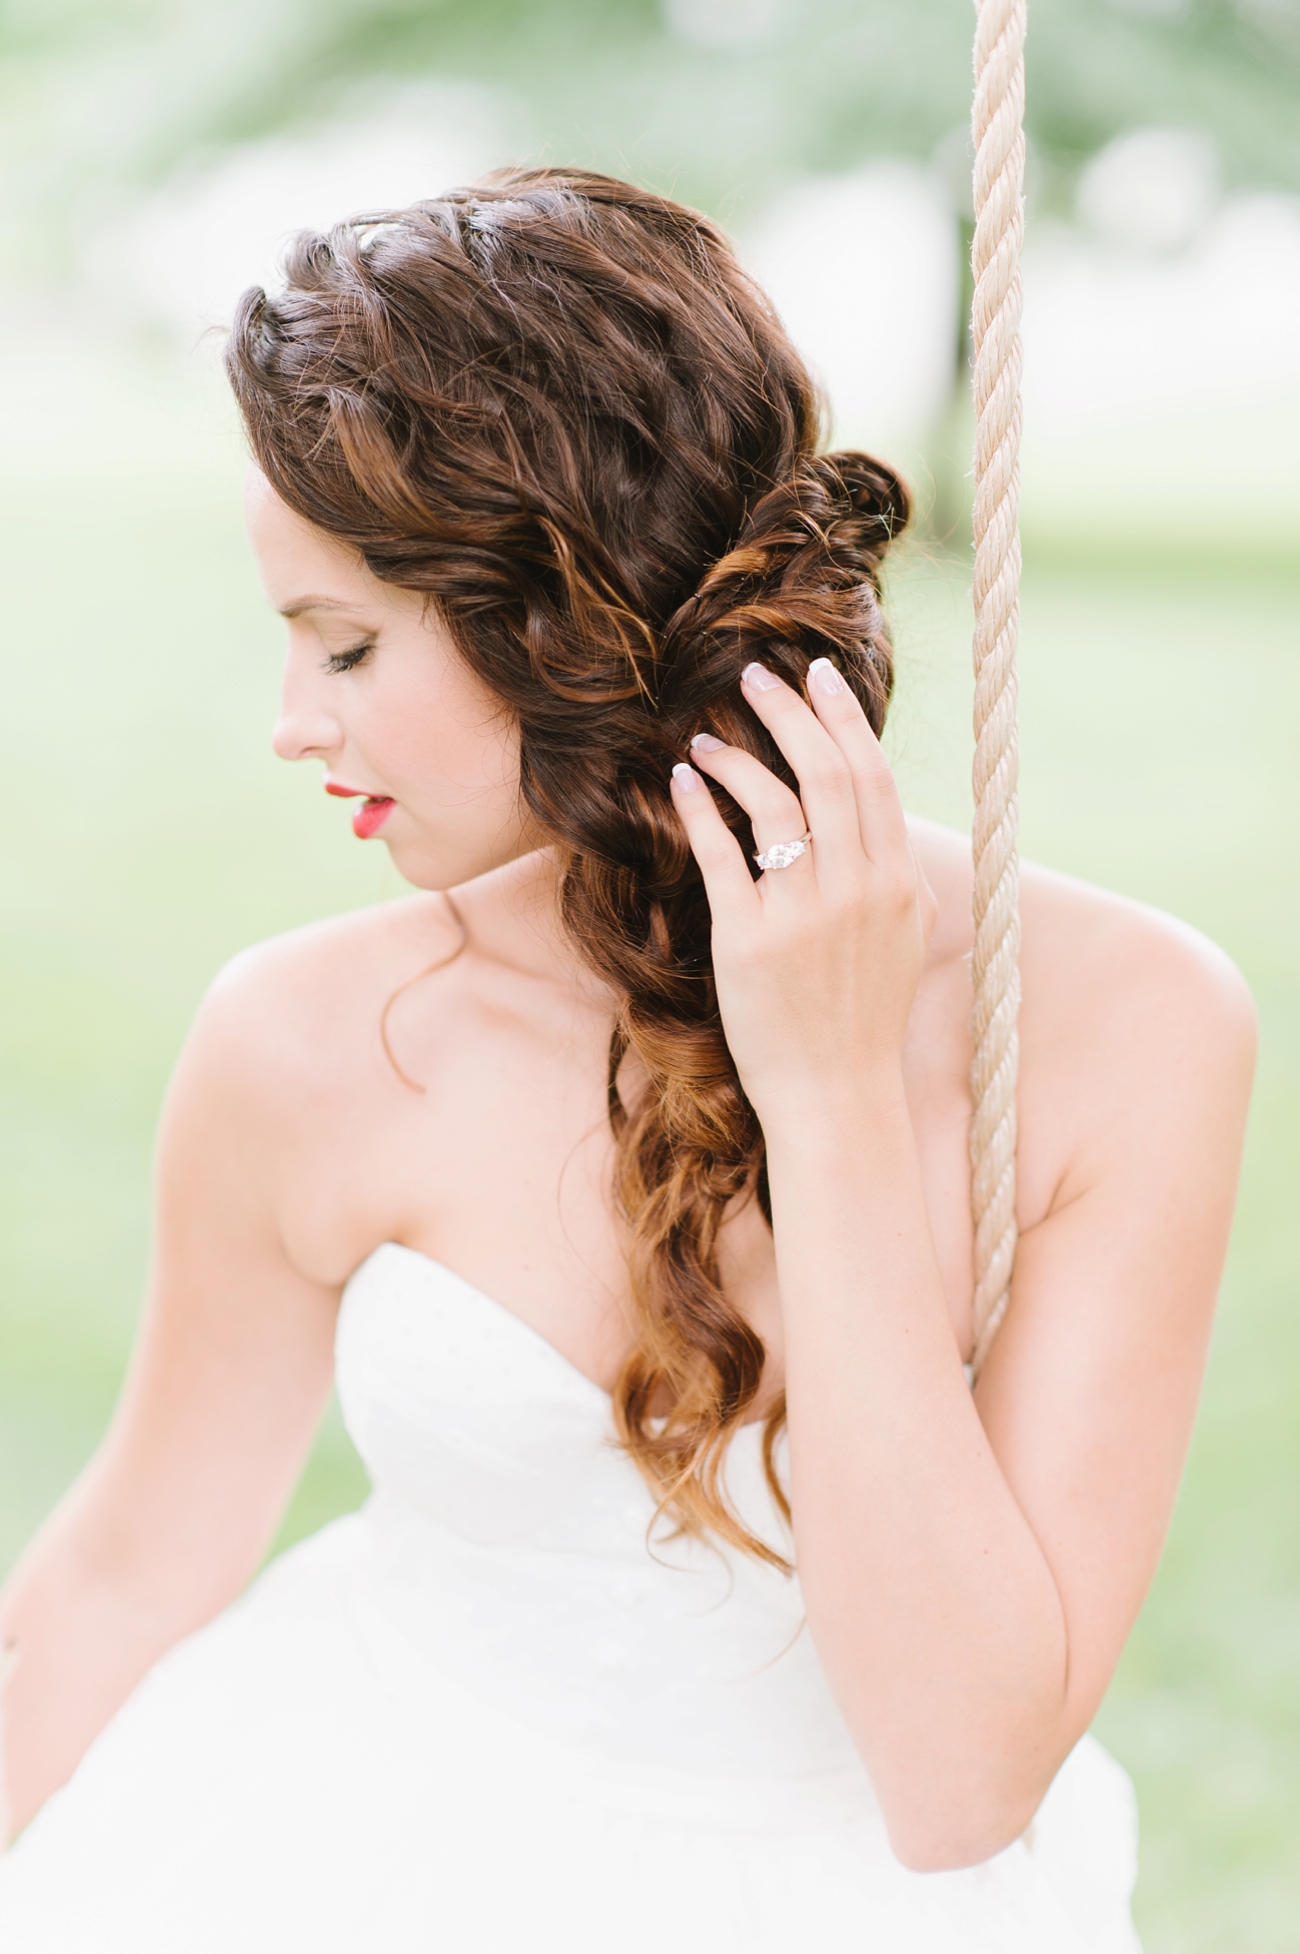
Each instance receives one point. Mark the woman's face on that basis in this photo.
(375, 688)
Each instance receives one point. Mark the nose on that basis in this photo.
(306, 729)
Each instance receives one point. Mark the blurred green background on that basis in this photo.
(152, 835)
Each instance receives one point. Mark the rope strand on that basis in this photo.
(998, 129)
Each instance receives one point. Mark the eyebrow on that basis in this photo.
(312, 603)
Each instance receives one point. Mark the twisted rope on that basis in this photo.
(997, 124)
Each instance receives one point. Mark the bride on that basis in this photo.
(620, 1177)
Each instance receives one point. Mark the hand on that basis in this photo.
(816, 964)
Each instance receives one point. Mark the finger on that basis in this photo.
(775, 813)
(826, 788)
(728, 883)
(880, 811)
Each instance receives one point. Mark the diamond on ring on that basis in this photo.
(782, 853)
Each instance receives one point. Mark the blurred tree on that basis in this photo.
(720, 100)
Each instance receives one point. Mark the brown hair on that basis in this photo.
(556, 404)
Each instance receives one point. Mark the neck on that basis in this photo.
(512, 915)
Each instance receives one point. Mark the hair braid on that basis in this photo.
(799, 583)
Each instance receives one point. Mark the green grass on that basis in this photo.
(152, 834)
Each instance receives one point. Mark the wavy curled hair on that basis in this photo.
(557, 405)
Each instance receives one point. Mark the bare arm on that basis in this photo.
(225, 1389)
(971, 1566)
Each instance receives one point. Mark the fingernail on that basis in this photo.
(686, 777)
(759, 679)
(823, 677)
(705, 743)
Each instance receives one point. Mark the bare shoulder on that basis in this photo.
(1132, 1023)
(1116, 968)
(302, 1010)
(1088, 954)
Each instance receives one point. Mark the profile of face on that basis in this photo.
(375, 688)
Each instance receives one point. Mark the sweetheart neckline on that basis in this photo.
(509, 1316)
(497, 1308)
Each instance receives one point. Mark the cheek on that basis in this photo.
(443, 738)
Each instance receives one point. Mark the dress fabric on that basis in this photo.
(484, 1716)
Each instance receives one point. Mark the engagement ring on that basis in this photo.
(782, 853)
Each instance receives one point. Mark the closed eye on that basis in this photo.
(345, 661)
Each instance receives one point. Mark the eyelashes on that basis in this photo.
(346, 661)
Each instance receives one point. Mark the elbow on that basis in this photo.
(940, 1839)
(965, 1798)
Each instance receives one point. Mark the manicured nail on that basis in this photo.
(759, 679)
(823, 677)
(705, 743)
(686, 777)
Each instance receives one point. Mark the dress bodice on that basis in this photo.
(488, 1712)
(515, 1543)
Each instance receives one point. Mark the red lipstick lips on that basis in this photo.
(368, 819)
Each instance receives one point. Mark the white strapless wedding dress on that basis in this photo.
(481, 1716)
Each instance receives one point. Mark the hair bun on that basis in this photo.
(867, 490)
(800, 582)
